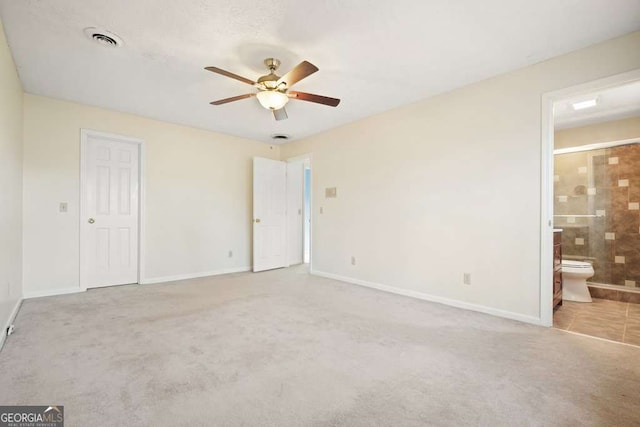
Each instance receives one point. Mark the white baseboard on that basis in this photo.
(48, 293)
(52, 292)
(12, 316)
(194, 275)
(433, 298)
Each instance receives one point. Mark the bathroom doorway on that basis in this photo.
(594, 208)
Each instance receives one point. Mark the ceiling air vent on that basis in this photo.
(279, 137)
(104, 37)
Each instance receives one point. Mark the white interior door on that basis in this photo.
(109, 215)
(269, 214)
(295, 211)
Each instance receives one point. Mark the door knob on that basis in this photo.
(91, 220)
(257, 220)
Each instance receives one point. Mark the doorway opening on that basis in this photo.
(307, 212)
(591, 209)
(299, 209)
(282, 206)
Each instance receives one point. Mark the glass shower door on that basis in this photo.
(596, 204)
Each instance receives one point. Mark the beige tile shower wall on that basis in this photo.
(615, 130)
(601, 182)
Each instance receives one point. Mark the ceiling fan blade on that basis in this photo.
(233, 98)
(299, 72)
(280, 114)
(228, 74)
(318, 99)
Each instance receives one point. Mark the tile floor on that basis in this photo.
(613, 320)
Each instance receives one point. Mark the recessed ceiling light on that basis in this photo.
(581, 105)
(104, 37)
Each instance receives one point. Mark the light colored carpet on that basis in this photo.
(285, 348)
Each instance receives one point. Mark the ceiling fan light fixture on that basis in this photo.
(273, 91)
(272, 99)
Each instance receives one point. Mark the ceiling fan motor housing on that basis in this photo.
(269, 81)
(272, 63)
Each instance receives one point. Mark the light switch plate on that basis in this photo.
(64, 207)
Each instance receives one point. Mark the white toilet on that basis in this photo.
(574, 280)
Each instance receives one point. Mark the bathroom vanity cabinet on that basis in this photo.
(557, 268)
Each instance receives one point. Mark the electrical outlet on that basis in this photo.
(466, 278)
(10, 329)
(353, 260)
(230, 254)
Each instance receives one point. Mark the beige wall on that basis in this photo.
(448, 185)
(198, 194)
(600, 132)
(426, 192)
(10, 185)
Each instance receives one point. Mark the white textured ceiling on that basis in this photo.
(374, 55)
(612, 104)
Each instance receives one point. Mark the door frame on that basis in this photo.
(303, 158)
(290, 214)
(84, 137)
(546, 178)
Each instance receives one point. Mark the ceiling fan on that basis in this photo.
(273, 91)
